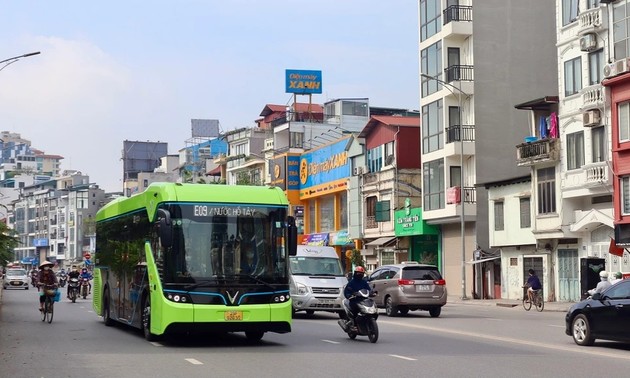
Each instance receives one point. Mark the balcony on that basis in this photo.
(370, 222)
(458, 72)
(590, 179)
(592, 20)
(457, 132)
(597, 174)
(593, 97)
(540, 151)
(457, 21)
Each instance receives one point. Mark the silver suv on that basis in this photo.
(409, 286)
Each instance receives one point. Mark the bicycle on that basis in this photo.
(49, 300)
(538, 300)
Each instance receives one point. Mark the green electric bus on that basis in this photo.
(193, 257)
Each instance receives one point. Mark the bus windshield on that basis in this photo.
(226, 242)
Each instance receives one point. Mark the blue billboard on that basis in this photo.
(325, 165)
(303, 81)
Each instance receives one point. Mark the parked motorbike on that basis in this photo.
(85, 285)
(73, 289)
(364, 322)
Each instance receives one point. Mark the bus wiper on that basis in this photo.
(201, 283)
(253, 278)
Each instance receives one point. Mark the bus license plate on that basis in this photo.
(423, 288)
(233, 315)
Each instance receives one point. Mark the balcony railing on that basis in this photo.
(470, 194)
(592, 20)
(597, 174)
(370, 178)
(593, 97)
(458, 72)
(457, 13)
(457, 132)
(370, 222)
(544, 150)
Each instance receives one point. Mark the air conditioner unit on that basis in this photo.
(610, 70)
(588, 42)
(357, 171)
(389, 160)
(591, 118)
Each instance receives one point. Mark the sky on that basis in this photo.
(141, 70)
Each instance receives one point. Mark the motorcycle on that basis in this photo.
(85, 285)
(364, 322)
(73, 289)
(62, 280)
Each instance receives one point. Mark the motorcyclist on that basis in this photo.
(601, 285)
(34, 275)
(74, 273)
(46, 277)
(86, 274)
(355, 284)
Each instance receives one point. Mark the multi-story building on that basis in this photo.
(469, 84)
(53, 219)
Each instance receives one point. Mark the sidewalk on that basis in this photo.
(549, 306)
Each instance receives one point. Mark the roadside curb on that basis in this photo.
(549, 306)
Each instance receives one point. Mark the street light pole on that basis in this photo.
(16, 58)
(462, 220)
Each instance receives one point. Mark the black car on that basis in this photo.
(605, 315)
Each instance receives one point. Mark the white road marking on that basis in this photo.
(194, 362)
(403, 357)
(154, 343)
(331, 342)
(498, 320)
(537, 344)
(555, 325)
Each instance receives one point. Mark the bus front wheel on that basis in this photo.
(146, 321)
(254, 335)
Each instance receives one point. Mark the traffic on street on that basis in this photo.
(468, 339)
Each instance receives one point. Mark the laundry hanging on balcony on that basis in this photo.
(542, 128)
(553, 129)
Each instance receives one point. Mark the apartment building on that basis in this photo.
(477, 60)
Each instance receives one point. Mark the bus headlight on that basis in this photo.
(178, 297)
(281, 298)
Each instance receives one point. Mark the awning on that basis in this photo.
(483, 260)
(382, 242)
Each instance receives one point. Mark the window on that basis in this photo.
(327, 214)
(431, 64)
(382, 211)
(572, 76)
(456, 176)
(623, 120)
(370, 206)
(596, 67)
(433, 185)
(621, 40)
(575, 150)
(590, 4)
(625, 195)
(375, 159)
(546, 190)
(297, 139)
(498, 216)
(526, 219)
(432, 127)
(430, 20)
(569, 11)
(343, 210)
(311, 217)
(598, 144)
(354, 108)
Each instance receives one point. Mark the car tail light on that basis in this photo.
(405, 282)
(439, 282)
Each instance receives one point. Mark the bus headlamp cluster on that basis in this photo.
(281, 298)
(178, 298)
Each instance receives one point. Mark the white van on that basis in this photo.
(317, 280)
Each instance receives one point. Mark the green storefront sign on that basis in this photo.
(409, 222)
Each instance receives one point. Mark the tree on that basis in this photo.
(8, 241)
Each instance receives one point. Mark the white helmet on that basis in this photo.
(603, 274)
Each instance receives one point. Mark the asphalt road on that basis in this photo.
(466, 341)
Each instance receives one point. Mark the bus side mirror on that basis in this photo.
(165, 228)
(291, 236)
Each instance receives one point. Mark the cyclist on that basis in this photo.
(533, 284)
(46, 278)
